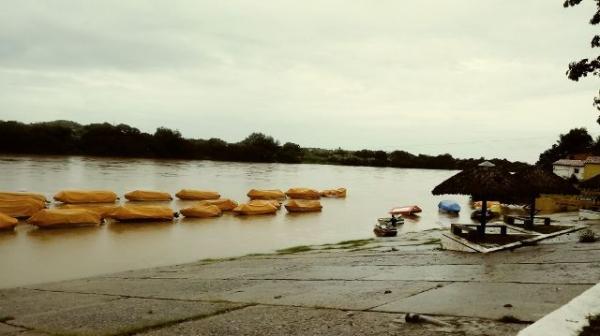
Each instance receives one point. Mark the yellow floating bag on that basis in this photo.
(201, 211)
(85, 196)
(7, 194)
(7, 222)
(132, 213)
(266, 194)
(48, 218)
(225, 204)
(303, 193)
(303, 206)
(101, 209)
(197, 195)
(255, 209)
(147, 195)
(274, 203)
(20, 207)
(334, 193)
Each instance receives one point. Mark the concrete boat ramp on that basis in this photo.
(352, 288)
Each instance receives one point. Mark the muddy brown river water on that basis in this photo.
(29, 255)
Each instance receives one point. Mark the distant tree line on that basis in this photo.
(104, 139)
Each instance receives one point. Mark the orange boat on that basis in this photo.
(408, 210)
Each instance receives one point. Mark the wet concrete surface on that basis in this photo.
(335, 290)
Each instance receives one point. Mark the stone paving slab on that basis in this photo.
(21, 301)
(8, 330)
(325, 273)
(357, 295)
(292, 321)
(181, 289)
(119, 316)
(218, 270)
(573, 256)
(573, 273)
(486, 300)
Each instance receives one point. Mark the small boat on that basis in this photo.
(383, 230)
(449, 206)
(147, 195)
(493, 206)
(489, 214)
(391, 221)
(408, 210)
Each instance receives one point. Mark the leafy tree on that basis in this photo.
(258, 147)
(170, 144)
(586, 66)
(577, 141)
(290, 153)
(402, 159)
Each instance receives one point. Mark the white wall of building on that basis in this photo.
(568, 171)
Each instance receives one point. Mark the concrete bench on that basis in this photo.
(509, 219)
(471, 228)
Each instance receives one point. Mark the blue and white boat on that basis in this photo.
(449, 206)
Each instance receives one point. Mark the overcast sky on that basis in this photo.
(468, 77)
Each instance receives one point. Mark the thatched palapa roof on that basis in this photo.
(485, 181)
(540, 181)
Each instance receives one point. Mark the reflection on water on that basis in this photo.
(32, 256)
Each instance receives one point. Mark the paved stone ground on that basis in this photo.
(361, 288)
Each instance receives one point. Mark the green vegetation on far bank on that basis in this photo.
(70, 138)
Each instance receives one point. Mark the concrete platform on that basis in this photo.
(326, 291)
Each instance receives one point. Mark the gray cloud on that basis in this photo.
(429, 77)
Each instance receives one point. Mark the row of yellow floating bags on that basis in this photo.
(103, 196)
(74, 212)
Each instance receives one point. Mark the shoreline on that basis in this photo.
(355, 287)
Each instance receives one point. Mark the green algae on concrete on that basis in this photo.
(123, 316)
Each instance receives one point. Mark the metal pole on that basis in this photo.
(532, 210)
(483, 215)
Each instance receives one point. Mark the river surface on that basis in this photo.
(29, 255)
